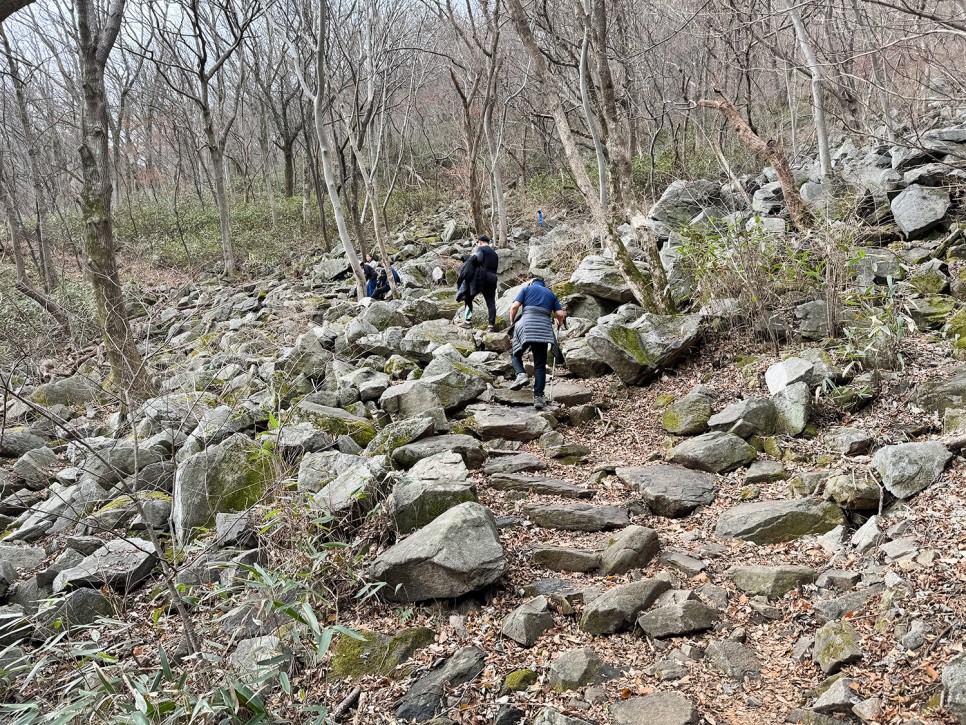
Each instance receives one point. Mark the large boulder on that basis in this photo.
(230, 476)
(671, 491)
(453, 390)
(639, 350)
(335, 421)
(421, 340)
(936, 396)
(632, 548)
(599, 277)
(908, 468)
(919, 209)
(772, 522)
(121, 564)
(14, 443)
(352, 493)
(76, 608)
(398, 434)
(457, 553)
(714, 452)
(745, 418)
(416, 502)
(688, 415)
(681, 202)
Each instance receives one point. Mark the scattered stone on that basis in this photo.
(552, 716)
(688, 415)
(837, 579)
(661, 708)
(577, 516)
(765, 472)
(539, 485)
(918, 209)
(682, 562)
(788, 372)
(398, 434)
(793, 405)
(836, 644)
(772, 522)
(518, 680)
(76, 608)
(616, 609)
(632, 548)
(518, 463)
(671, 491)
(772, 581)
(377, 654)
(734, 659)
(677, 619)
(426, 698)
(745, 418)
(456, 553)
(954, 687)
(908, 468)
(839, 697)
(517, 424)
(868, 535)
(713, 452)
(577, 668)
(469, 448)
(415, 503)
(526, 623)
(869, 710)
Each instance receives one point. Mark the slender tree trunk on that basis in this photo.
(818, 88)
(220, 185)
(772, 151)
(499, 196)
(288, 163)
(47, 273)
(128, 371)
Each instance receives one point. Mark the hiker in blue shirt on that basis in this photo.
(382, 284)
(533, 330)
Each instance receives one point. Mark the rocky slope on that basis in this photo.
(697, 529)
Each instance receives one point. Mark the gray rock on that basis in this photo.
(317, 470)
(421, 340)
(682, 562)
(849, 441)
(552, 716)
(680, 202)
(713, 452)
(577, 516)
(334, 421)
(256, 658)
(416, 502)
(616, 609)
(677, 619)
(45, 579)
(836, 644)
(352, 493)
(539, 485)
(562, 558)
(230, 476)
(398, 434)
(908, 468)
(772, 522)
(931, 311)
(121, 564)
(638, 351)
(446, 466)
(688, 415)
(526, 623)
(919, 209)
(661, 708)
(468, 447)
(426, 698)
(582, 360)
(745, 418)
(813, 320)
(772, 581)
(457, 553)
(854, 491)
(577, 668)
(670, 491)
(515, 424)
(954, 687)
(22, 557)
(15, 443)
(37, 467)
(765, 472)
(632, 548)
(839, 697)
(518, 463)
(734, 659)
(74, 609)
(936, 396)
(793, 404)
(867, 535)
(235, 529)
(788, 372)
(599, 277)
(14, 626)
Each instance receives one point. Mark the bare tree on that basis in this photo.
(96, 35)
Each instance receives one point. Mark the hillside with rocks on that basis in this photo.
(749, 512)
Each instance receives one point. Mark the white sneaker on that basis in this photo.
(519, 382)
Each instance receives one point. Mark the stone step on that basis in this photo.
(539, 485)
(577, 516)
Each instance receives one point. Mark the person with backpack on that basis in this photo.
(370, 274)
(488, 263)
(382, 283)
(532, 329)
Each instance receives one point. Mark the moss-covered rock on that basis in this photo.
(335, 421)
(518, 680)
(377, 654)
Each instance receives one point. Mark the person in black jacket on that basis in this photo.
(382, 283)
(488, 263)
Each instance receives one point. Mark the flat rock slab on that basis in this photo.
(678, 619)
(519, 463)
(577, 668)
(577, 517)
(670, 491)
(616, 609)
(772, 522)
(661, 708)
(563, 558)
(564, 393)
(121, 564)
(772, 581)
(539, 485)
(468, 447)
(497, 421)
(734, 659)
(836, 644)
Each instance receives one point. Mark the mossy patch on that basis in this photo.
(519, 680)
(124, 501)
(377, 654)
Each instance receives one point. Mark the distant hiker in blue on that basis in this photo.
(534, 331)
(382, 284)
